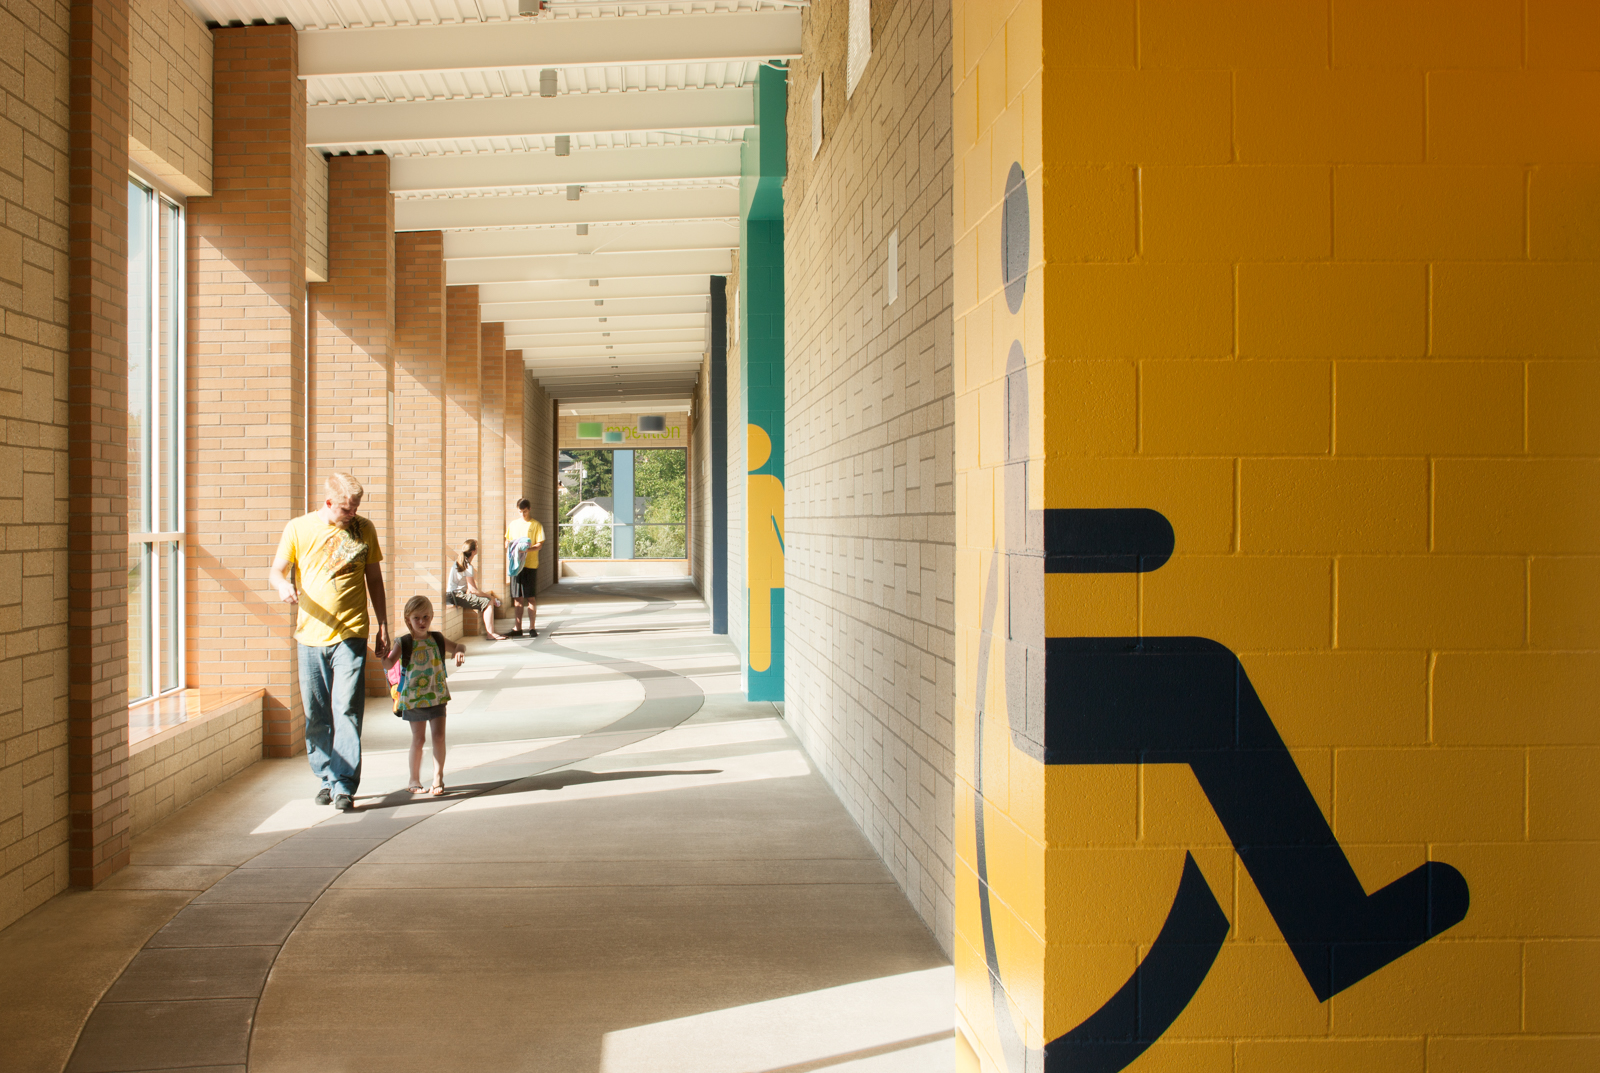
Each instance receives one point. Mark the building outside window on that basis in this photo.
(155, 443)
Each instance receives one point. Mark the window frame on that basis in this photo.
(161, 454)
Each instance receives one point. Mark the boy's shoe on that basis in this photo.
(533, 633)
(514, 633)
(324, 796)
(343, 802)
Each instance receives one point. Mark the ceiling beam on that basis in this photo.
(602, 238)
(492, 294)
(600, 206)
(594, 372)
(533, 347)
(585, 266)
(469, 171)
(621, 397)
(669, 338)
(488, 46)
(615, 324)
(558, 312)
(517, 117)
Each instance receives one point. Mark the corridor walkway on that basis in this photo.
(634, 870)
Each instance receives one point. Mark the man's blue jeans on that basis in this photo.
(333, 691)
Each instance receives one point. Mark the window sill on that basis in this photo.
(153, 721)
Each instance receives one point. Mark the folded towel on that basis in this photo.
(516, 555)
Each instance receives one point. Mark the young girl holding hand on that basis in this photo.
(422, 693)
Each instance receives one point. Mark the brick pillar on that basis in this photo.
(516, 487)
(97, 557)
(247, 374)
(351, 367)
(463, 406)
(492, 458)
(420, 460)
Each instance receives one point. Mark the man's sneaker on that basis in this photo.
(324, 796)
(343, 802)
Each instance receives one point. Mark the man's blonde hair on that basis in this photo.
(342, 486)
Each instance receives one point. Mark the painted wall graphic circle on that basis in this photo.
(1014, 237)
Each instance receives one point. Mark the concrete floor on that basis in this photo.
(635, 870)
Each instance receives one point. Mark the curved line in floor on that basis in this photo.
(226, 943)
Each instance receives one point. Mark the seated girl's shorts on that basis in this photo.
(467, 599)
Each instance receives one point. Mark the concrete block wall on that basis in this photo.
(870, 485)
(1313, 281)
(169, 94)
(34, 44)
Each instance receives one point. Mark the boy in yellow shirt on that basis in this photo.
(523, 539)
(335, 554)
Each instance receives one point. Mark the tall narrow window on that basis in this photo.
(155, 443)
(859, 45)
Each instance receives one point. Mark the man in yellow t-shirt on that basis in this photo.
(522, 567)
(335, 554)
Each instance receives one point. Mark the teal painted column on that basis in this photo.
(763, 165)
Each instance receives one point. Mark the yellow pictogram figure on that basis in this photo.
(764, 545)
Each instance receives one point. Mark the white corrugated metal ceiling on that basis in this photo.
(654, 98)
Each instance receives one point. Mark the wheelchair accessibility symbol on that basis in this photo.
(1177, 700)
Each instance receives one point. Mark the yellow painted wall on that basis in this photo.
(1320, 282)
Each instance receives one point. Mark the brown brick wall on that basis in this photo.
(492, 458)
(246, 416)
(418, 556)
(463, 395)
(352, 340)
(34, 139)
(97, 562)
